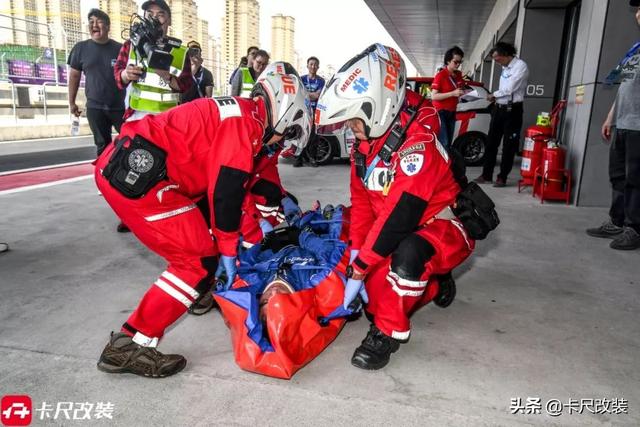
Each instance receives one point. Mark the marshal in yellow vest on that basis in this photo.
(152, 94)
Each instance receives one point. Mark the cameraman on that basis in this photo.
(153, 91)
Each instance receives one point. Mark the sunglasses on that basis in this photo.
(457, 62)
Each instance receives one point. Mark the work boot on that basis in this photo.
(122, 355)
(375, 351)
(607, 230)
(628, 240)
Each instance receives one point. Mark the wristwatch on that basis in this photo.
(352, 274)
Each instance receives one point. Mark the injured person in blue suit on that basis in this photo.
(289, 259)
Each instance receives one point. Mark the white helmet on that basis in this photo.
(371, 87)
(287, 103)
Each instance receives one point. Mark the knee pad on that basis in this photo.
(409, 258)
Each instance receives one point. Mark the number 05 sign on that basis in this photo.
(535, 90)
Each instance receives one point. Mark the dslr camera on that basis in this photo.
(144, 35)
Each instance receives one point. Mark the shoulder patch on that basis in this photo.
(412, 149)
(228, 107)
(412, 163)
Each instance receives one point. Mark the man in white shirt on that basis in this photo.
(506, 119)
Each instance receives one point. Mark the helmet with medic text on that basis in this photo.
(287, 103)
(371, 87)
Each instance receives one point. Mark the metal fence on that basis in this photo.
(33, 70)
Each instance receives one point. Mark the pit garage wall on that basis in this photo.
(606, 30)
(540, 45)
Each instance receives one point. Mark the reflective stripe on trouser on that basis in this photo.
(392, 299)
(166, 222)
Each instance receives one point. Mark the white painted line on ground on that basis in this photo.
(44, 185)
(55, 138)
(39, 168)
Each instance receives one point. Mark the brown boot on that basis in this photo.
(122, 355)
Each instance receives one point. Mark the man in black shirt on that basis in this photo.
(202, 78)
(96, 58)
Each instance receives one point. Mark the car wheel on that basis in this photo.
(472, 146)
(324, 150)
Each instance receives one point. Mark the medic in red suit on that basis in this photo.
(270, 201)
(153, 176)
(403, 233)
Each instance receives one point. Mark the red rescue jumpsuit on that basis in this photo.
(265, 193)
(210, 146)
(396, 206)
(427, 115)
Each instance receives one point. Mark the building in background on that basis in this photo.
(202, 37)
(282, 38)
(240, 29)
(119, 12)
(40, 23)
(184, 20)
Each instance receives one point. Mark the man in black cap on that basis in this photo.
(624, 153)
(152, 91)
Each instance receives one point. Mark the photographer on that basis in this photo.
(202, 86)
(149, 90)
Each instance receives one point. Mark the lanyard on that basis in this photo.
(629, 54)
(198, 80)
(615, 74)
(455, 85)
(370, 169)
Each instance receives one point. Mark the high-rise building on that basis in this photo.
(282, 38)
(41, 23)
(64, 14)
(240, 29)
(119, 12)
(203, 37)
(184, 20)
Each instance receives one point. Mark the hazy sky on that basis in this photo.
(332, 30)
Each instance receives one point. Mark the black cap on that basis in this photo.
(635, 3)
(160, 3)
(194, 45)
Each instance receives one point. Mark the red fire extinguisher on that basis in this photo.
(553, 157)
(536, 138)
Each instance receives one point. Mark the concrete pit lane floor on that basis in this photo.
(543, 313)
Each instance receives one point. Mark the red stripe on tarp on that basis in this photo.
(24, 179)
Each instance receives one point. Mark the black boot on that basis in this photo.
(122, 355)
(299, 162)
(375, 351)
